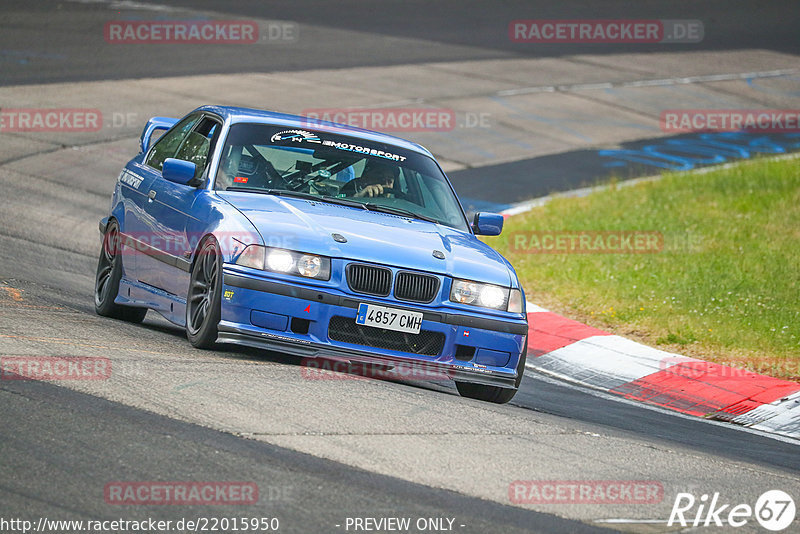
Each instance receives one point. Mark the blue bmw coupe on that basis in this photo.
(314, 239)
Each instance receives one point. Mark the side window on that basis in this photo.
(197, 144)
(168, 144)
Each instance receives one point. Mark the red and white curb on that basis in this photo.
(578, 353)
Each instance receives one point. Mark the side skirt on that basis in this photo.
(141, 295)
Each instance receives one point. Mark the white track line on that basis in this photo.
(705, 78)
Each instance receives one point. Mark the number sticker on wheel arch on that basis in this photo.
(389, 318)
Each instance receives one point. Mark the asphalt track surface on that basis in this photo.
(320, 451)
(354, 33)
(64, 441)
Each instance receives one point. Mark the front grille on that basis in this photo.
(416, 287)
(369, 279)
(346, 330)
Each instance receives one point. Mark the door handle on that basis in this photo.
(151, 195)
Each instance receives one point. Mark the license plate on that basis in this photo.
(389, 318)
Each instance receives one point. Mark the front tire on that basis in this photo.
(106, 283)
(205, 294)
(494, 394)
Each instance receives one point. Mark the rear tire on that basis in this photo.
(106, 283)
(204, 297)
(494, 394)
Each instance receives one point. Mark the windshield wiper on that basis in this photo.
(300, 194)
(398, 211)
(344, 202)
(276, 192)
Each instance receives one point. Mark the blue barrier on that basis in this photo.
(686, 153)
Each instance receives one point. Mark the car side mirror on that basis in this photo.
(178, 171)
(487, 223)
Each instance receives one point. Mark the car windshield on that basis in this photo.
(262, 158)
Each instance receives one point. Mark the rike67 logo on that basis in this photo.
(774, 510)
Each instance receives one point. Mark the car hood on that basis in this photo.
(376, 237)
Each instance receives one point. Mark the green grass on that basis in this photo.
(725, 286)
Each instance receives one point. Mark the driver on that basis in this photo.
(377, 180)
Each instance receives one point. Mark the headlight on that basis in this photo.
(285, 261)
(309, 266)
(486, 296)
(280, 260)
(465, 292)
(492, 297)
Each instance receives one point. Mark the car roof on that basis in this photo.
(237, 114)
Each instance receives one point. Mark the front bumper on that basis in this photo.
(262, 312)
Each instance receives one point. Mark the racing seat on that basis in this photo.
(195, 150)
(261, 174)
